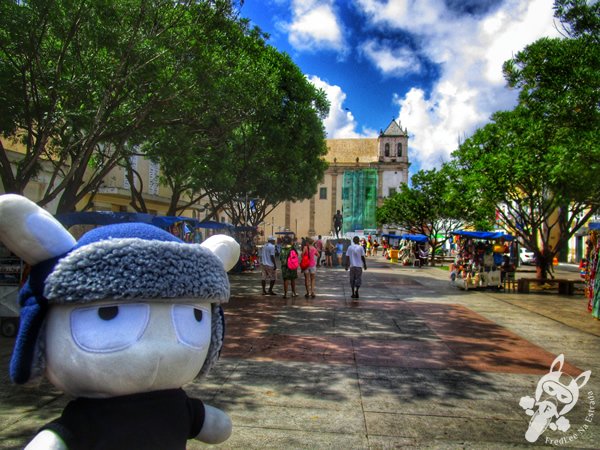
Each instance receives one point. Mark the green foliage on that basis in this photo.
(276, 154)
(435, 204)
(88, 83)
(539, 162)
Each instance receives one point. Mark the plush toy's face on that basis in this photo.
(107, 349)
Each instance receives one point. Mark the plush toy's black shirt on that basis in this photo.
(153, 420)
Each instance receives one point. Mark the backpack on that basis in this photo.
(305, 261)
(292, 261)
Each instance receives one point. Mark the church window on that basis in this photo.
(387, 150)
(399, 149)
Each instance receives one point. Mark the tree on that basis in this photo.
(234, 147)
(82, 78)
(276, 154)
(193, 133)
(516, 165)
(434, 206)
(538, 163)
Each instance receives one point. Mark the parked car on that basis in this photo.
(526, 256)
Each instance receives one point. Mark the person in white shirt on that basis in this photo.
(355, 260)
(268, 267)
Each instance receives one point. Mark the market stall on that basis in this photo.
(412, 250)
(11, 276)
(589, 270)
(391, 244)
(479, 257)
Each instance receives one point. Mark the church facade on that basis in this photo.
(361, 174)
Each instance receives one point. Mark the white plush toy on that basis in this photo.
(120, 320)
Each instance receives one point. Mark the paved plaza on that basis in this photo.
(413, 363)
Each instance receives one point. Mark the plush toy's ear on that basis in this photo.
(39, 239)
(31, 232)
(225, 248)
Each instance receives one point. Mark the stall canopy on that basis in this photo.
(102, 218)
(415, 237)
(484, 235)
(110, 217)
(167, 221)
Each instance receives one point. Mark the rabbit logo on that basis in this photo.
(556, 394)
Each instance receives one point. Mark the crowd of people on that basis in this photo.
(293, 258)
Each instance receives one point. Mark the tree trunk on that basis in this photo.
(543, 267)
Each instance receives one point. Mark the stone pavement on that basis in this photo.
(413, 363)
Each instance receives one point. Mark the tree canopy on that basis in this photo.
(89, 83)
(539, 162)
(434, 206)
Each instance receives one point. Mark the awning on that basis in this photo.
(489, 235)
(102, 218)
(167, 221)
(415, 237)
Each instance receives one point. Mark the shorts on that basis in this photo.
(355, 276)
(268, 272)
(312, 269)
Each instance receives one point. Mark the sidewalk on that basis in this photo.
(413, 363)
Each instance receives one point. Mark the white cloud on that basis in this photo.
(410, 15)
(315, 26)
(470, 53)
(340, 122)
(391, 60)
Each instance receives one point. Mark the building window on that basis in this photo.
(387, 150)
(399, 149)
(391, 191)
(323, 193)
(153, 178)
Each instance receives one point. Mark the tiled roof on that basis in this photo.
(347, 150)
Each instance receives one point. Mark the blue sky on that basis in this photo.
(434, 65)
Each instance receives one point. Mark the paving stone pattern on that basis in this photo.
(413, 363)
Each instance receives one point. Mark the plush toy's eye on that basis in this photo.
(109, 328)
(108, 312)
(192, 325)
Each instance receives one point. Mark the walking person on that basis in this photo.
(267, 266)
(355, 261)
(288, 274)
(329, 249)
(311, 271)
(319, 247)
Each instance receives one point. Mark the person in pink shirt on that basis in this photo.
(311, 271)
